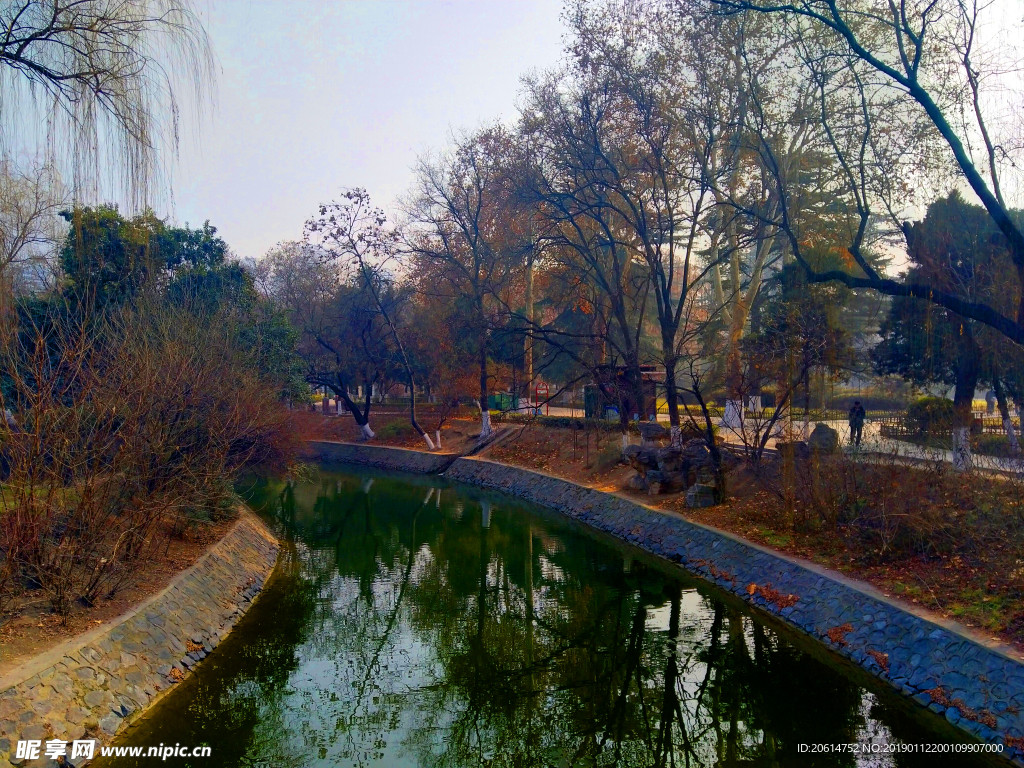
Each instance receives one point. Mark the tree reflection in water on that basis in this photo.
(417, 624)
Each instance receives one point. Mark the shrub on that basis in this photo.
(394, 429)
(608, 457)
(930, 415)
(886, 510)
(129, 425)
(993, 445)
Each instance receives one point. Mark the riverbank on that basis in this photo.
(974, 683)
(94, 684)
(956, 541)
(32, 628)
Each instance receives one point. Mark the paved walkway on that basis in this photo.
(872, 443)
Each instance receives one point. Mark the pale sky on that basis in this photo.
(316, 96)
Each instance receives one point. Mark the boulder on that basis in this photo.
(823, 440)
(672, 470)
(798, 450)
(641, 458)
(665, 482)
(700, 495)
(631, 452)
(696, 451)
(669, 459)
(652, 430)
(637, 483)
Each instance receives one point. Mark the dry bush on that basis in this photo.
(885, 509)
(123, 424)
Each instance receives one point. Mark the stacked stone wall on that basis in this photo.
(382, 457)
(977, 687)
(95, 684)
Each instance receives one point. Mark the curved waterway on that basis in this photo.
(416, 623)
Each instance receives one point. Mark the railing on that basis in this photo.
(895, 426)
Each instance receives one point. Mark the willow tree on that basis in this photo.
(106, 78)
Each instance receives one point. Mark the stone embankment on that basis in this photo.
(976, 686)
(382, 457)
(92, 686)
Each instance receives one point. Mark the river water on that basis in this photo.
(416, 623)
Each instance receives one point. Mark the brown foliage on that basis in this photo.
(119, 423)
(881, 659)
(887, 510)
(838, 634)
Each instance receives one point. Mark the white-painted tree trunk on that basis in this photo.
(733, 416)
(485, 513)
(1011, 434)
(438, 435)
(367, 432)
(430, 444)
(962, 459)
(625, 444)
(485, 423)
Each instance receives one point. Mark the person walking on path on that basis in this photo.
(857, 415)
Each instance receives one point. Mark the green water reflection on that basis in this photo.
(414, 623)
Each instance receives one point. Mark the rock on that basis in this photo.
(669, 459)
(700, 495)
(110, 724)
(33, 732)
(652, 430)
(77, 715)
(85, 673)
(696, 451)
(637, 483)
(674, 482)
(824, 440)
(798, 450)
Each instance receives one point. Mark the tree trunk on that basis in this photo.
(485, 414)
(530, 317)
(963, 398)
(362, 417)
(672, 400)
(1004, 411)
(401, 349)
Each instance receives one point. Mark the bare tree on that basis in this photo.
(342, 341)
(356, 232)
(895, 80)
(457, 235)
(657, 155)
(579, 146)
(29, 226)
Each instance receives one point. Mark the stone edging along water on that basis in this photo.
(401, 459)
(977, 688)
(98, 682)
